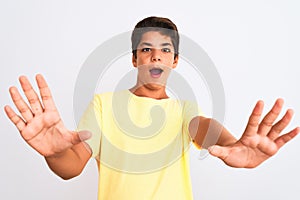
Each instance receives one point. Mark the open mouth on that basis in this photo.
(156, 72)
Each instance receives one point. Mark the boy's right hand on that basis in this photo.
(40, 124)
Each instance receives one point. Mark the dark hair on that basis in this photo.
(160, 24)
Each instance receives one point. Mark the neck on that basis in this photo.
(143, 91)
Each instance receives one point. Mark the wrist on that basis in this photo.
(57, 155)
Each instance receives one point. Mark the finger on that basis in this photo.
(20, 123)
(20, 104)
(282, 140)
(17, 120)
(267, 122)
(254, 119)
(77, 137)
(280, 125)
(84, 135)
(31, 95)
(218, 151)
(45, 93)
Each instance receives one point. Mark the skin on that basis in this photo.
(42, 128)
(154, 49)
(66, 152)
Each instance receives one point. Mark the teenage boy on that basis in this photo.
(136, 159)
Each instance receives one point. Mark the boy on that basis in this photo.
(140, 136)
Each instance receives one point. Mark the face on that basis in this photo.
(154, 60)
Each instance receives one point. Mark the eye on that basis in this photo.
(166, 50)
(146, 49)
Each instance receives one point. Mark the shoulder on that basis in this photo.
(107, 97)
(109, 94)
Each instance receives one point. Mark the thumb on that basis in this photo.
(84, 135)
(218, 151)
(80, 136)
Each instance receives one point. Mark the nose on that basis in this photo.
(156, 55)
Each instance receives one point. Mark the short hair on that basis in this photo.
(160, 24)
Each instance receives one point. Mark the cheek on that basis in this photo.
(169, 60)
(141, 58)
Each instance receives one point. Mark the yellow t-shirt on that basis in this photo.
(141, 145)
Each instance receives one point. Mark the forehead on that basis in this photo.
(155, 38)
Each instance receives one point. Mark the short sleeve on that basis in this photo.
(91, 121)
(190, 110)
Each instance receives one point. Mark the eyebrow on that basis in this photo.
(149, 44)
(166, 44)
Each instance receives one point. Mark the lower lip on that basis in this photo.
(155, 75)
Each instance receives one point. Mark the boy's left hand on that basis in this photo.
(260, 140)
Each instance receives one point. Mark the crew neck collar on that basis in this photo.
(148, 98)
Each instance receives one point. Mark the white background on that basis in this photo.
(254, 45)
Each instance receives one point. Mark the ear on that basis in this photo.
(175, 62)
(134, 61)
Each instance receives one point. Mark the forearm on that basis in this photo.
(207, 132)
(70, 163)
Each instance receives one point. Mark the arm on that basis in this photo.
(260, 140)
(42, 128)
(70, 163)
(207, 132)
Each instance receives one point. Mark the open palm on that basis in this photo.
(260, 140)
(40, 124)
